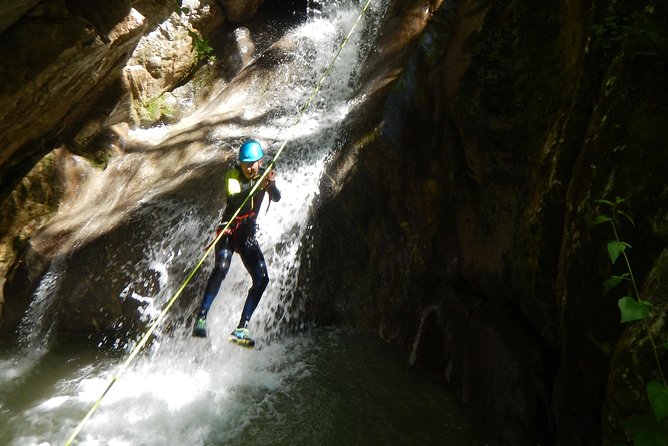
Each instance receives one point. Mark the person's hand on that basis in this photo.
(220, 228)
(269, 179)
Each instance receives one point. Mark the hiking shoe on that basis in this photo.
(199, 330)
(241, 336)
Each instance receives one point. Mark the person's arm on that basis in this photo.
(270, 186)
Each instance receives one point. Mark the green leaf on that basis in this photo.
(612, 282)
(651, 437)
(601, 219)
(605, 202)
(632, 310)
(615, 248)
(665, 345)
(658, 399)
(647, 431)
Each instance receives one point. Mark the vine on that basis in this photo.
(646, 430)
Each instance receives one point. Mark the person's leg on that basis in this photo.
(224, 251)
(254, 262)
(222, 266)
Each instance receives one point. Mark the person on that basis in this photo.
(240, 238)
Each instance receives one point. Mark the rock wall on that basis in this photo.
(459, 222)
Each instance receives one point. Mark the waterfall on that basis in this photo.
(35, 330)
(184, 390)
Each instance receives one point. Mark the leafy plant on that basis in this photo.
(646, 430)
(201, 46)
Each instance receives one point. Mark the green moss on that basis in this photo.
(157, 107)
(154, 110)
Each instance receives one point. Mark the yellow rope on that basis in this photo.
(142, 342)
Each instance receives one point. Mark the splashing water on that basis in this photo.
(34, 331)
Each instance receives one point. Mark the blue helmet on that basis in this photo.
(250, 151)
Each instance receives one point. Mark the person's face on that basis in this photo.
(251, 170)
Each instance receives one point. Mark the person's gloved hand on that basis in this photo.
(220, 227)
(269, 179)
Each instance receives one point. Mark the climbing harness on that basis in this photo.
(230, 228)
(144, 339)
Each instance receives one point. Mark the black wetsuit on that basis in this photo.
(241, 240)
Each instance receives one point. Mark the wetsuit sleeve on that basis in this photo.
(274, 193)
(272, 190)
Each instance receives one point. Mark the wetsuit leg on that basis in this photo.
(253, 259)
(224, 251)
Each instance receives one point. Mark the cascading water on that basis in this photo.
(315, 388)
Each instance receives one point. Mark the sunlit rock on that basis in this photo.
(166, 56)
(55, 66)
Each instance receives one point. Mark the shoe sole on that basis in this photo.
(242, 342)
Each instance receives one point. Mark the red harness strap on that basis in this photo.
(238, 220)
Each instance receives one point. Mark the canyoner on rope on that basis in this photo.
(244, 200)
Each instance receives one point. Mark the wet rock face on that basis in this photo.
(30, 205)
(462, 227)
(61, 69)
(54, 64)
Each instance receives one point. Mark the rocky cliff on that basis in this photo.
(459, 223)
